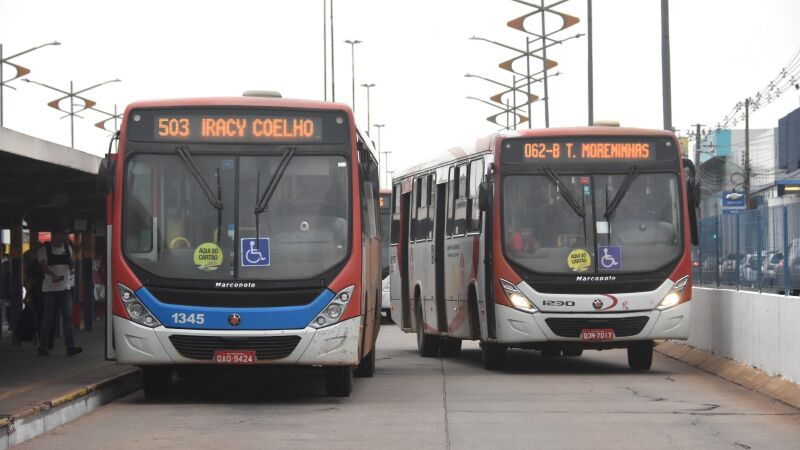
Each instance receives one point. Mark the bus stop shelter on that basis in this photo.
(41, 184)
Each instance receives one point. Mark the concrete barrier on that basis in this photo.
(760, 330)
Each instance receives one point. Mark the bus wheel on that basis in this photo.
(572, 351)
(640, 355)
(156, 380)
(339, 381)
(494, 356)
(450, 347)
(428, 345)
(366, 368)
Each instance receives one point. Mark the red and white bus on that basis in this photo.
(556, 239)
(243, 231)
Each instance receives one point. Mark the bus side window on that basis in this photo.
(395, 227)
(475, 178)
(431, 181)
(139, 204)
(417, 200)
(460, 213)
(450, 200)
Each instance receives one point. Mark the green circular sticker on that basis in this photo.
(208, 257)
(579, 260)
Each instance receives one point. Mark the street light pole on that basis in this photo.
(72, 95)
(353, 67)
(21, 71)
(379, 126)
(386, 158)
(368, 86)
(666, 85)
(325, 49)
(544, 65)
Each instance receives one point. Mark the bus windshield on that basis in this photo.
(171, 230)
(591, 204)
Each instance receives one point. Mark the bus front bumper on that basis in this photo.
(336, 345)
(521, 328)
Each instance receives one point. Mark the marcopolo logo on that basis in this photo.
(221, 284)
(605, 278)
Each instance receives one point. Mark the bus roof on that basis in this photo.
(487, 143)
(239, 101)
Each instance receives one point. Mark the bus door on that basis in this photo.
(405, 217)
(438, 239)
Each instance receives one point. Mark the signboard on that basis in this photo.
(599, 149)
(733, 202)
(235, 128)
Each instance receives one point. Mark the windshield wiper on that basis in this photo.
(263, 201)
(216, 202)
(626, 184)
(566, 194)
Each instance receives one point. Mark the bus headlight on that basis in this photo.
(135, 308)
(675, 295)
(334, 310)
(517, 298)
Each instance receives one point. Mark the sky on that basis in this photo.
(416, 52)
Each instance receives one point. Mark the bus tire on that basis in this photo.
(572, 351)
(427, 344)
(339, 381)
(494, 356)
(450, 347)
(156, 381)
(640, 355)
(366, 368)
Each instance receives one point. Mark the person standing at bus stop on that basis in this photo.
(55, 258)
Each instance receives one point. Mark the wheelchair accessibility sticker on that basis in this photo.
(610, 257)
(255, 252)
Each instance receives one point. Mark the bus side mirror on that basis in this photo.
(692, 182)
(106, 175)
(484, 195)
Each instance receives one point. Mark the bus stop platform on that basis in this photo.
(39, 393)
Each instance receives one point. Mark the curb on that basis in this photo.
(45, 416)
(748, 377)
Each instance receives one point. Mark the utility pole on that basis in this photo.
(333, 60)
(544, 62)
(697, 144)
(353, 68)
(325, 48)
(747, 153)
(590, 62)
(666, 84)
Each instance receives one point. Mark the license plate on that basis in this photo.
(234, 356)
(597, 334)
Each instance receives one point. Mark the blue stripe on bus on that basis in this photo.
(216, 318)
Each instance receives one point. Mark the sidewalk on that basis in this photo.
(32, 385)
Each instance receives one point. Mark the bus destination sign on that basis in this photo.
(236, 128)
(564, 151)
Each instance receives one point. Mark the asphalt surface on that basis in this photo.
(592, 401)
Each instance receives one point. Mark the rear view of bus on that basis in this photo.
(593, 249)
(244, 231)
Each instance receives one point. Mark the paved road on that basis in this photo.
(412, 402)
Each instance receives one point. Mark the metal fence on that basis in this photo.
(755, 250)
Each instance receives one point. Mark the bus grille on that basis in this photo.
(622, 326)
(203, 347)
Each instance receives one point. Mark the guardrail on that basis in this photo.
(756, 250)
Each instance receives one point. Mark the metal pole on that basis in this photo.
(666, 85)
(590, 62)
(544, 63)
(747, 153)
(368, 119)
(353, 72)
(508, 121)
(333, 66)
(697, 145)
(786, 262)
(325, 48)
(758, 250)
(2, 85)
(738, 252)
(386, 167)
(71, 116)
(514, 99)
(528, 75)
